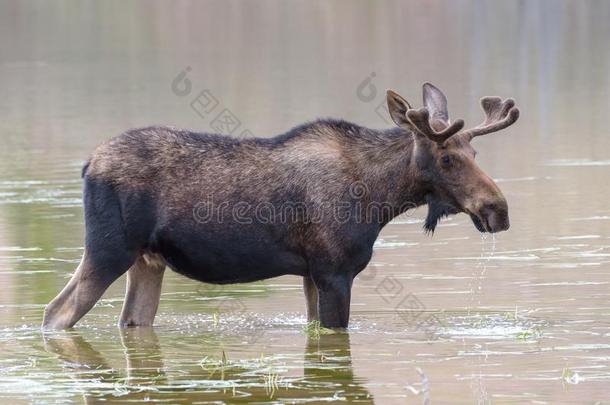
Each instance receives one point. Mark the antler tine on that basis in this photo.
(498, 115)
(420, 119)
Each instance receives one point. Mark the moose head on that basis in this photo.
(445, 159)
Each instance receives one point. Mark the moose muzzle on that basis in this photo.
(491, 217)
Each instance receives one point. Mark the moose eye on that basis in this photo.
(446, 160)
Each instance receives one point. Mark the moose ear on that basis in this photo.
(436, 103)
(398, 107)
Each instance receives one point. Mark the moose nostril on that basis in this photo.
(489, 207)
(494, 207)
(496, 216)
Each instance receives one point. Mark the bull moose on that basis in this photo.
(194, 202)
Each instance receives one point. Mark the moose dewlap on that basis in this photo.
(310, 202)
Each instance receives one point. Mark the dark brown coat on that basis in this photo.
(310, 202)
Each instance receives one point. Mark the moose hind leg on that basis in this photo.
(108, 254)
(311, 296)
(78, 296)
(143, 292)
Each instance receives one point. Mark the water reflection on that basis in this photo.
(85, 366)
(328, 359)
(327, 372)
(143, 358)
(73, 75)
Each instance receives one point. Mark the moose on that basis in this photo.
(162, 197)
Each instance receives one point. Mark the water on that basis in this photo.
(522, 319)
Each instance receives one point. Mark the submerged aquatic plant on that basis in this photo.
(314, 330)
(271, 383)
(212, 366)
(570, 377)
(533, 333)
(512, 315)
(244, 373)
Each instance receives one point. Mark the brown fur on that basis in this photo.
(311, 298)
(143, 291)
(321, 159)
(78, 296)
(143, 189)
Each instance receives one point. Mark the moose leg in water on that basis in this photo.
(81, 293)
(107, 256)
(334, 292)
(144, 281)
(311, 296)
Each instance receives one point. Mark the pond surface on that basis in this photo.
(520, 318)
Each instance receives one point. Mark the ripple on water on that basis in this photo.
(62, 193)
(577, 162)
(493, 326)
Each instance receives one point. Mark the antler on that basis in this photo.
(432, 121)
(420, 120)
(498, 115)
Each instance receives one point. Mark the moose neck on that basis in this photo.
(385, 162)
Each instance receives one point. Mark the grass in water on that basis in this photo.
(261, 370)
(570, 376)
(314, 330)
(534, 333)
(213, 366)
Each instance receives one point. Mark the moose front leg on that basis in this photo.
(334, 293)
(311, 297)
